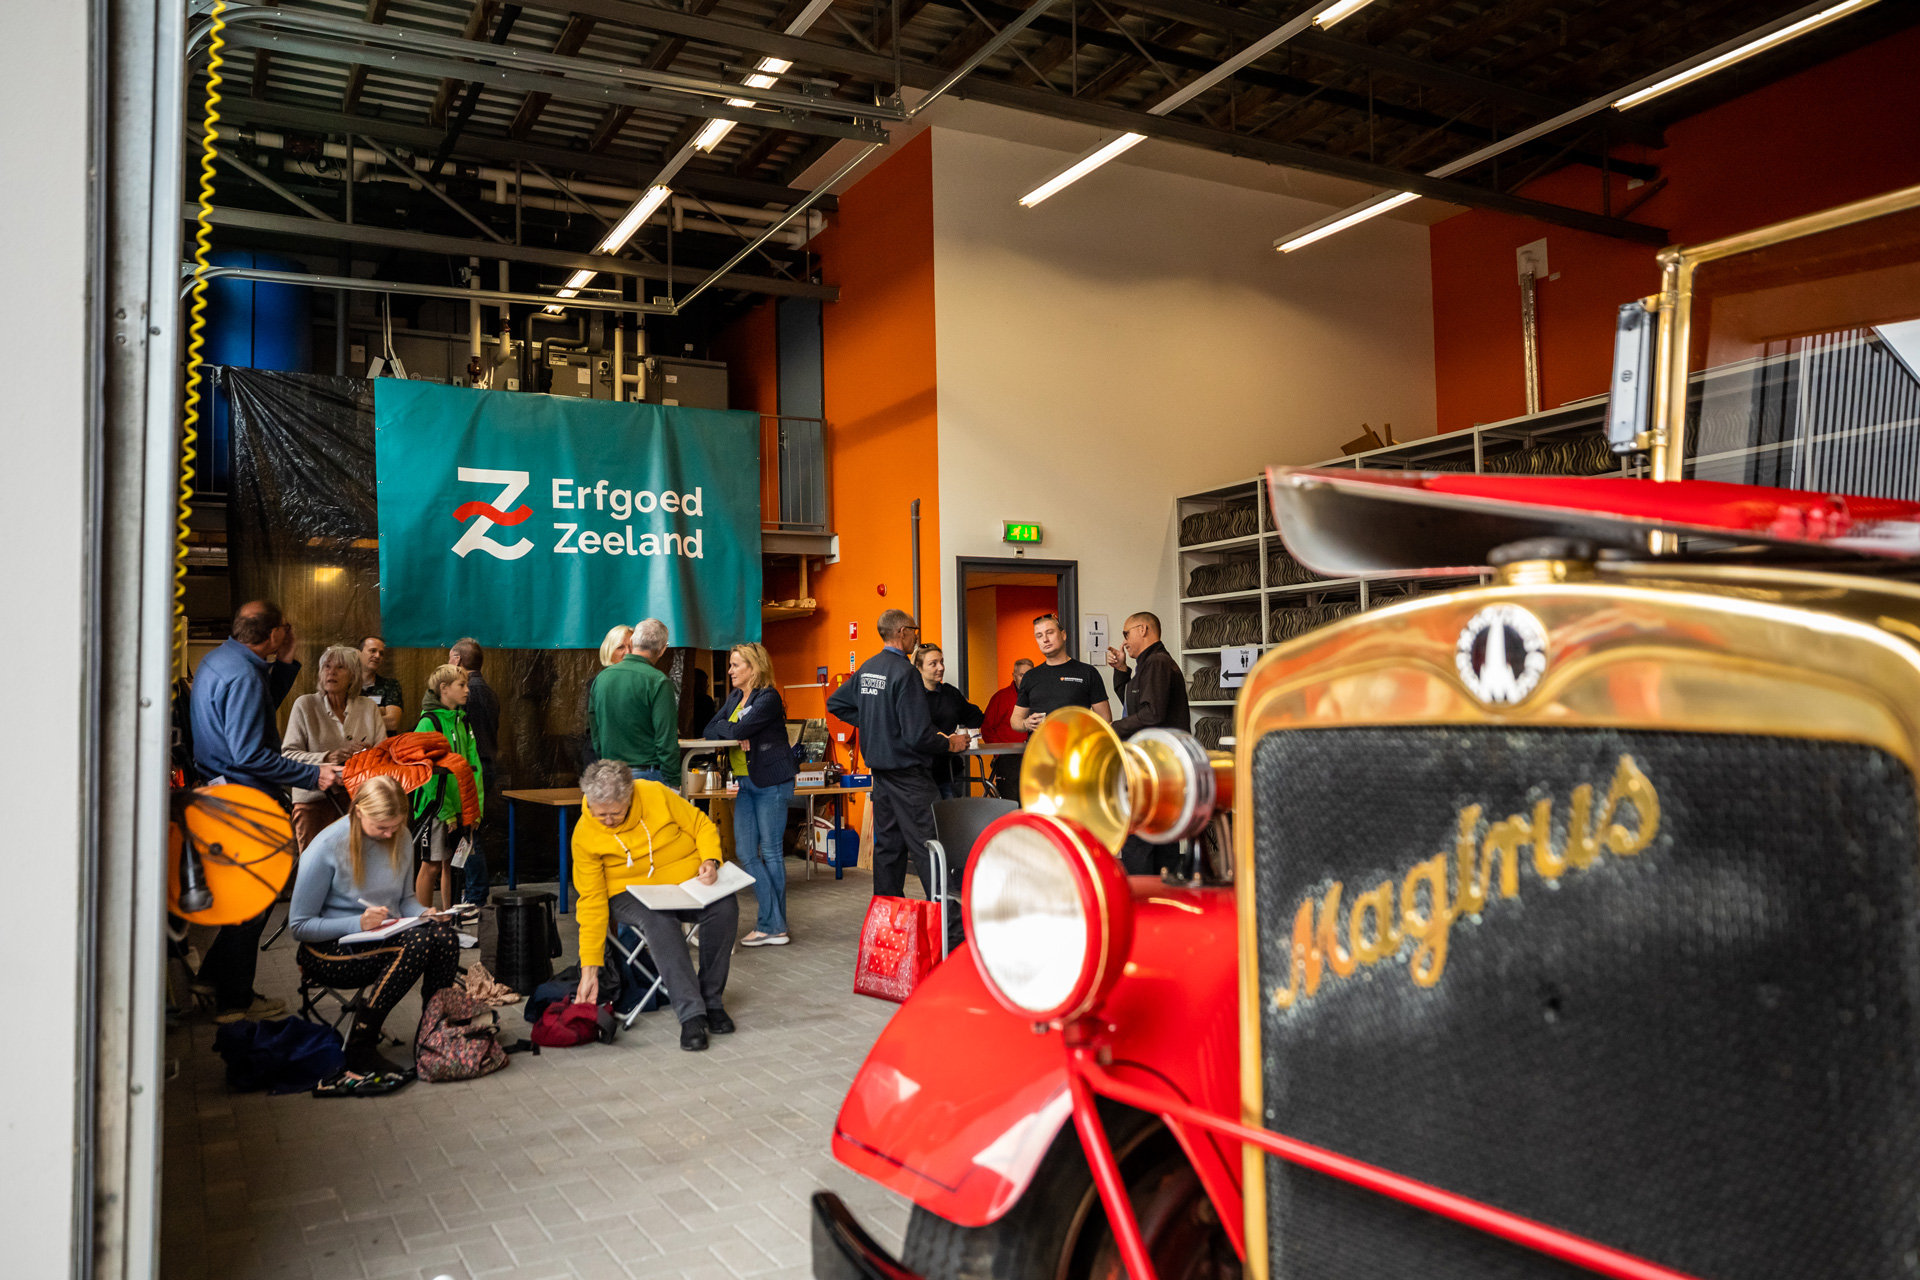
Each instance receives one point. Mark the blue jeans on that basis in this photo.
(649, 775)
(759, 823)
(474, 886)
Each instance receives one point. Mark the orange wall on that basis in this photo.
(1018, 607)
(748, 347)
(880, 398)
(1837, 132)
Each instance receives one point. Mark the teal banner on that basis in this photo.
(539, 522)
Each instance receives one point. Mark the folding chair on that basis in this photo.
(633, 956)
(958, 823)
(313, 991)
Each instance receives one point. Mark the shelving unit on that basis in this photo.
(1251, 572)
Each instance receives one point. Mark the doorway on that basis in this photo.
(998, 598)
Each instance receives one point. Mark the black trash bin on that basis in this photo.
(529, 938)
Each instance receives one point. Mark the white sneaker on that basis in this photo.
(775, 940)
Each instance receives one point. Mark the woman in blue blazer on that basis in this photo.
(755, 717)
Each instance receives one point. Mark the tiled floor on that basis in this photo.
(634, 1159)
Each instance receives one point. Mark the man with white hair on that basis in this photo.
(635, 715)
(635, 832)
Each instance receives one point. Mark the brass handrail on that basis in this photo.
(1675, 305)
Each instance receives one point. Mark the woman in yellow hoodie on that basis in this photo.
(632, 831)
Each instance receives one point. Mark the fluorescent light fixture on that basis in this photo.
(1080, 168)
(1338, 225)
(716, 130)
(1333, 13)
(1745, 51)
(709, 138)
(629, 223)
(554, 309)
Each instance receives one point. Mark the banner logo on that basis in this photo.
(500, 511)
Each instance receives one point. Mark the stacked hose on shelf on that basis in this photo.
(1234, 520)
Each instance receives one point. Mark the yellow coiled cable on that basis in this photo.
(196, 325)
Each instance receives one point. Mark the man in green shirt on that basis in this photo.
(635, 715)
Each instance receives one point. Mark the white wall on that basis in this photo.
(1136, 338)
(43, 258)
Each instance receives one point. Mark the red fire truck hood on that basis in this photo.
(1348, 523)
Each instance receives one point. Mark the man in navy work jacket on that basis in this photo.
(888, 701)
(235, 692)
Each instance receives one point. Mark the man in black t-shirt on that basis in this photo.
(1061, 681)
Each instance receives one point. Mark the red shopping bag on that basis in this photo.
(899, 945)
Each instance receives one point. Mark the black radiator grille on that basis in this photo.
(1705, 1052)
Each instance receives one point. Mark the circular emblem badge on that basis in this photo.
(1502, 653)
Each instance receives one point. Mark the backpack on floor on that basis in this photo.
(459, 1038)
(565, 1025)
(285, 1055)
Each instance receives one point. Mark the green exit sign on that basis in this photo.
(1011, 532)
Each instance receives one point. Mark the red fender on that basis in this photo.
(959, 1099)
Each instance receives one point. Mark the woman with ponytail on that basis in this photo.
(356, 876)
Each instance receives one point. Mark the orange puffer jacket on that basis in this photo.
(412, 758)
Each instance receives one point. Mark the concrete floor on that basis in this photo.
(634, 1159)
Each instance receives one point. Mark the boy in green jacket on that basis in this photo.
(438, 824)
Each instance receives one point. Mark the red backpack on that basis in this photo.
(459, 1038)
(564, 1025)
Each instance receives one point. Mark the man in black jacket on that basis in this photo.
(888, 701)
(1153, 695)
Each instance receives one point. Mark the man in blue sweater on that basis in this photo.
(235, 692)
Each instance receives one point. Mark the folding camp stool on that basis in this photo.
(313, 991)
(632, 956)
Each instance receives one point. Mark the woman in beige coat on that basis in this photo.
(325, 727)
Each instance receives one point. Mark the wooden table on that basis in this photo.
(808, 794)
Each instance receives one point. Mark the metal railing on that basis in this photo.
(793, 474)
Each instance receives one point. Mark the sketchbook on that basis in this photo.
(691, 895)
(385, 931)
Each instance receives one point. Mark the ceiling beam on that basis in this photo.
(607, 166)
(1398, 66)
(571, 37)
(295, 227)
(477, 21)
(814, 53)
(571, 89)
(734, 35)
(1165, 48)
(357, 74)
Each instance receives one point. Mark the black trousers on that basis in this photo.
(232, 961)
(902, 825)
(426, 953)
(1006, 776)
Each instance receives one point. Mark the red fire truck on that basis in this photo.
(1571, 923)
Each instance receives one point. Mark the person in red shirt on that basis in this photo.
(999, 728)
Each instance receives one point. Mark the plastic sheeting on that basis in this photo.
(303, 532)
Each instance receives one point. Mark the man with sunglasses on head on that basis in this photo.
(1060, 681)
